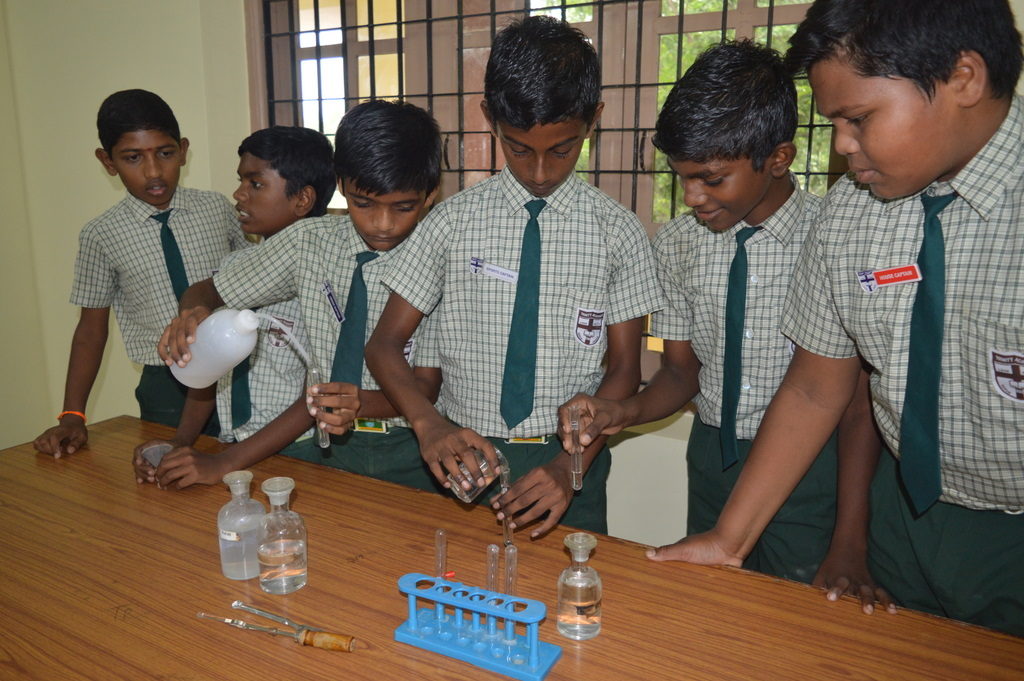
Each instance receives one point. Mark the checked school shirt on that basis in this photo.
(693, 267)
(460, 267)
(120, 261)
(277, 374)
(838, 306)
(313, 261)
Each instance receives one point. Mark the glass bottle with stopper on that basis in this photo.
(238, 524)
(283, 545)
(579, 591)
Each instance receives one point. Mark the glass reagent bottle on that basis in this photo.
(239, 523)
(579, 591)
(282, 550)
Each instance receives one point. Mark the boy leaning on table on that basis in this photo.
(727, 128)
(915, 263)
(139, 257)
(387, 161)
(285, 174)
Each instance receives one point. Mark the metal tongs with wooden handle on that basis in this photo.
(305, 635)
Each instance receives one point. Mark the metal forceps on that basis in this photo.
(303, 634)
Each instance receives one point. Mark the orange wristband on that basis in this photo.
(76, 413)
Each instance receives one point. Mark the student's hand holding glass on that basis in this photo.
(444, 445)
(333, 405)
(185, 466)
(597, 416)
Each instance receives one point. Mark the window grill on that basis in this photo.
(324, 56)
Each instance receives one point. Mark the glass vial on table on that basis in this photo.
(283, 545)
(239, 523)
(579, 591)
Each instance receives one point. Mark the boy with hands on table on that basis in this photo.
(913, 264)
(387, 165)
(727, 128)
(285, 174)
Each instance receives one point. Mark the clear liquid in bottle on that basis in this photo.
(239, 523)
(282, 566)
(282, 549)
(579, 591)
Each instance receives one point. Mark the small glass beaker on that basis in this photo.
(468, 495)
(154, 454)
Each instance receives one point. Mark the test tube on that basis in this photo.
(511, 554)
(323, 438)
(440, 552)
(576, 449)
(506, 528)
(492, 567)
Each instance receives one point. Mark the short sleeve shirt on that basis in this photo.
(840, 304)
(461, 266)
(313, 261)
(277, 373)
(693, 266)
(120, 261)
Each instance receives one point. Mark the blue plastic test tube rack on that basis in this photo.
(477, 626)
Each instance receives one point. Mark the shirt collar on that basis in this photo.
(516, 196)
(781, 224)
(144, 211)
(983, 181)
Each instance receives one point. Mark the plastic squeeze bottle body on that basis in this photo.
(223, 340)
(239, 523)
(579, 591)
(282, 549)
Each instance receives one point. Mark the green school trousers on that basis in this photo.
(161, 399)
(951, 561)
(797, 539)
(393, 456)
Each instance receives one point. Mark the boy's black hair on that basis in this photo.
(385, 147)
(133, 110)
(541, 71)
(301, 156)
(919, 40)
(736, 101)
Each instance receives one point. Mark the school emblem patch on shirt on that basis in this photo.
(1008, 374)
(277, 337)
(589, 326)
(867, 280)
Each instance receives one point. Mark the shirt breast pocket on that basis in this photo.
(582, 334)
(992, 356)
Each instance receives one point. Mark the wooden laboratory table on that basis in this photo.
(102, 579)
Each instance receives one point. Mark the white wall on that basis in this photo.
(58, 60)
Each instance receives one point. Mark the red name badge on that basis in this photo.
(898, 275)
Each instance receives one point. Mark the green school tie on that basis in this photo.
(518, 378)
(348, 354)
(735, 311)
(172, 256)
(241, 400)
(919, 423)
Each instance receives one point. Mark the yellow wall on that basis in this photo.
(58, 60)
